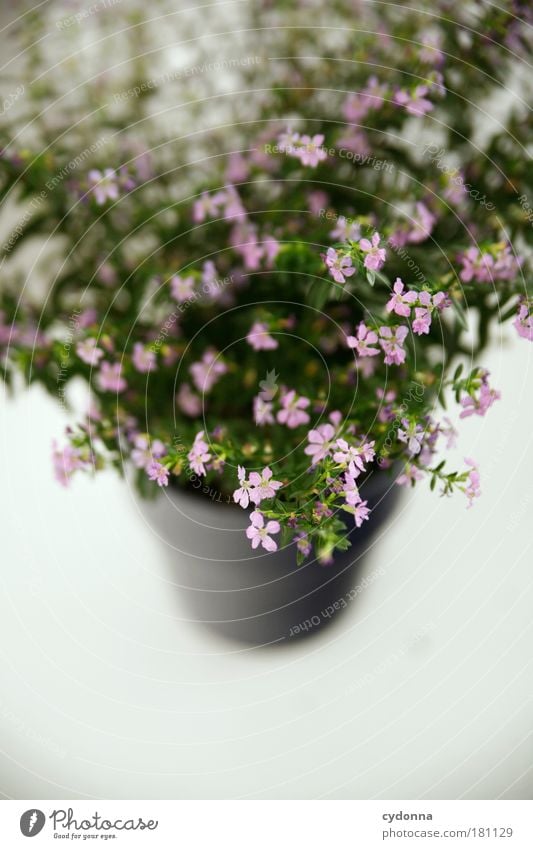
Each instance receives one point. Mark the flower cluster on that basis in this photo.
(285, 320)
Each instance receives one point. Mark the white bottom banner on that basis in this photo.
(264, 824)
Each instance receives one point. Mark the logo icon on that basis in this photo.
(32, 822)
(269, 387)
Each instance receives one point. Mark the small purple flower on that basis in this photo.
(363, 341)
(207, 371)
(241, 495)
(422, 322)
(410, 475)
(415, 101)
(401, 301)
(182, 288)
(361, 513)
(258, 532)
(375, 256)
(207, 206)
(263, 485)
(310, 151)
(157, 472)
(65, 461)
(346, 231)
(263, 411)
(259, 338)
(188, 402)
(351, 490)
(144, 452)
(104, 186)
(320, 442)
(292, 413)
(340, 267)
(142, 358)
(524, 323)
(89, 352)
(199, 454)
(479, 405)
(110, 379)
(302, 543)
(472, 489)
(391, 340)
(412, 434)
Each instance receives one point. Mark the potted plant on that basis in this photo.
(276, 318)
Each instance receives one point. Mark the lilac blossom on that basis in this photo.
(207, 371)
(110, 379)
(259, 338)
(241, 495)
(346, 230)
(401, 301)
(263, 411)
(414, 101)
(103, 186)
(375, 256)
(524, 323)
(293, 412)
(263, 486)
(351, 490)
(361, 512)
(340, 267)
(320, 442)
(412, 434)
(302, 543)
(199, 454)
(143, 359)
(89, 352)
(259, 532)
(391, 340)
(65, 462)
(310, 150)
(363, 341)
(157, 472)
(422, 322)
(485, 267)
(145, 452)
(479, 405)
(410, 475)
(182, 288)
(472, 489)
(354, 456)
(207, 206)
(188, 402)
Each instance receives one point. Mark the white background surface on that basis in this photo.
(108, 692)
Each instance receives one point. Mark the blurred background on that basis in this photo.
(422, 690)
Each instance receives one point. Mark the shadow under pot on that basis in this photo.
(253, 596)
